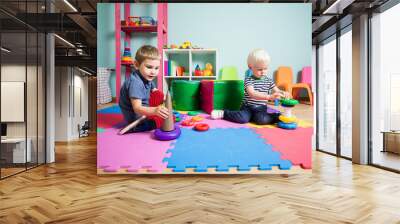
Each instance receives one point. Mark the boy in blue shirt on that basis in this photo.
(257, 92)
(135, 92)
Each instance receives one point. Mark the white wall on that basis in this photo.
(71, 87)
(79, 117)
(61, 103)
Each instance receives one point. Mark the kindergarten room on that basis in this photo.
(204, 70)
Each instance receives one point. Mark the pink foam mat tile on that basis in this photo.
(130, 151)
(294, 145)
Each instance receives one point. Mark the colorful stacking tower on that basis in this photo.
(127, 56)
(287, 120)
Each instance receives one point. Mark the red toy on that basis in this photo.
(187, 123)
(201, 127)
(156, 98)
(198, 71)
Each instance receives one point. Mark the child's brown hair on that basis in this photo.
(147, 52)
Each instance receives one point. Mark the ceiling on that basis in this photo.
(77, 22)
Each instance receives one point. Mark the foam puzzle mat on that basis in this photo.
(225, 148)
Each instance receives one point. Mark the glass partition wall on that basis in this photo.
(22, 76)
(385, 90)
(346, 93)
(334, 103)
(326, 110)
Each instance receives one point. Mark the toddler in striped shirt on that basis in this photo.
(258, 89)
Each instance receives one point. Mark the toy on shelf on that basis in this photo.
(287, 120)
(208, 70)
(168, 130)
(139, 24)
(127, 56)
(172, 46)
(139, 21)
(133, 21)
(198, 71)
(147, 21)
(180, 70)
(186, 45)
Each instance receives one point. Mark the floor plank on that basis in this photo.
(70, 191)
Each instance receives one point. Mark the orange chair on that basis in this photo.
(284, 78)
(305, 83)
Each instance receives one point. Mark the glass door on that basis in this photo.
(385, 89)
(327, 96)
(346, 93)
(14, 154)
(22, 76)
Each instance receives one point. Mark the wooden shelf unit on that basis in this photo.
(139, 29)
(161, 30)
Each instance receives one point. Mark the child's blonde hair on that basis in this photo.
(147, 52)
(258, 55)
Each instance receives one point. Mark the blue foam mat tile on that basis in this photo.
(222, 169)
(201, 169)
(264, 167)
(222, 148)
(110, 110)
(243, 168)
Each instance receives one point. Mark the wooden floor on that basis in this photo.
(69, 191)
(386, 159)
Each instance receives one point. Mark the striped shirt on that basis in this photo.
(262, 85)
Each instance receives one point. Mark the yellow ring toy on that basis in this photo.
(285, 119)
(197, 118)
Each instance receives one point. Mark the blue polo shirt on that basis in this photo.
(135, 87)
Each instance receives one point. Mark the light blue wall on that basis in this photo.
(283, 30)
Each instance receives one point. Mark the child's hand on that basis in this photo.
(286, 95)
(162, 112)
(277, 95)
